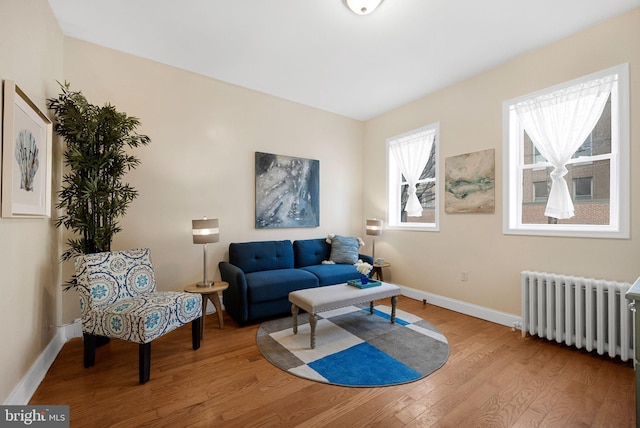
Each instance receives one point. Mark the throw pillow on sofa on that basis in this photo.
(344, 249)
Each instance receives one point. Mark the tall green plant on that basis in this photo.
(93, 196)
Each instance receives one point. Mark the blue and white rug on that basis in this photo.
(355, 348)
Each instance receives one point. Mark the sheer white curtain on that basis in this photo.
(412, 154)
(558, 123)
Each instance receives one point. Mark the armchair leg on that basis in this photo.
(144, 351)
(195, 332)
(89, 349)
(102, 340)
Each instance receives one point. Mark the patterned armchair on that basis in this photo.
(118, 299)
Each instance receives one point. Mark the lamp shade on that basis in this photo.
(362, 7)
(205, 231)
(374, 227)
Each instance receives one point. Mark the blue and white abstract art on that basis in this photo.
(287, 191)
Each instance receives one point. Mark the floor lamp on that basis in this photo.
(374, 228)
(205, 232)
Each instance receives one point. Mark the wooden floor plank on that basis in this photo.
(493, 377)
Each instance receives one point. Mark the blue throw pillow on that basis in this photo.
(344, 249)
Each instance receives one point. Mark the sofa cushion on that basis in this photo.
(270, 285)
(344, 249)
(333, 274)
(309, 252)
(261, 256)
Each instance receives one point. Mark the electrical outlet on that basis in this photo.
(464, 276)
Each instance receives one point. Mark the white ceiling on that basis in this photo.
(318, 53)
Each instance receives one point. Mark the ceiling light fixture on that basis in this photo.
(362, 7)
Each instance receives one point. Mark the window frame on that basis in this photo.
(394, 182)
(619, 226)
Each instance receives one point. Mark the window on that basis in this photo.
(412, 169)
(566, 158)
(586, 149)
(582, 188)
(537, 157)
(540, 191)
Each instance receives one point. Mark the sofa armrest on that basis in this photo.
(366, 258)
(235, 297)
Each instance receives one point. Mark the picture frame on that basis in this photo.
(287, 191)
(26, 156)
(470, 182)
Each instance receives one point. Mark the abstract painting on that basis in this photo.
(287, 191)
(26, 156)
(470, 182)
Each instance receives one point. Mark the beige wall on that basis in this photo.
(201, 160)
(470, 116)
(29, 272)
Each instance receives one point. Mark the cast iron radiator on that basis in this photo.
(587, 313)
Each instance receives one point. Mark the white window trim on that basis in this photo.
(620, 168)
(393, 220)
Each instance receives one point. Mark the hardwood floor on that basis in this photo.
(493, 378)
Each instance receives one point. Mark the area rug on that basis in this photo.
(356, 348)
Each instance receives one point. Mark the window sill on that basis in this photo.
(416, 228)
(568, 231)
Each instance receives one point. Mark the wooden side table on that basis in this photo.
(377, 270)
(209, 293)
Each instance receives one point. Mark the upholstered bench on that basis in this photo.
(315, 300)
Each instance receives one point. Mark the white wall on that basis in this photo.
(201, 160)
(29, 270)
(470, 116)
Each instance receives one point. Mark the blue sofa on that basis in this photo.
(262, 274)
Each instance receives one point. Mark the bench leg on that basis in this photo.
(294, 315)
(312, 323)
(371, 307)
(394, 302)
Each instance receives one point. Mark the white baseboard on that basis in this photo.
(481, 312)
(24, 390)
(73, 330)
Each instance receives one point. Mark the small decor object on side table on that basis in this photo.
(209, 293)
(364, 268)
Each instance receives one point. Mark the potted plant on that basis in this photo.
(93, 196)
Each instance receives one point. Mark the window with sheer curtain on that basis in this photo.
(566, 158)
(412, 169)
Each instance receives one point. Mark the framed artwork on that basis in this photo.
(26, 156)
(469, 182)
(287, 191)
